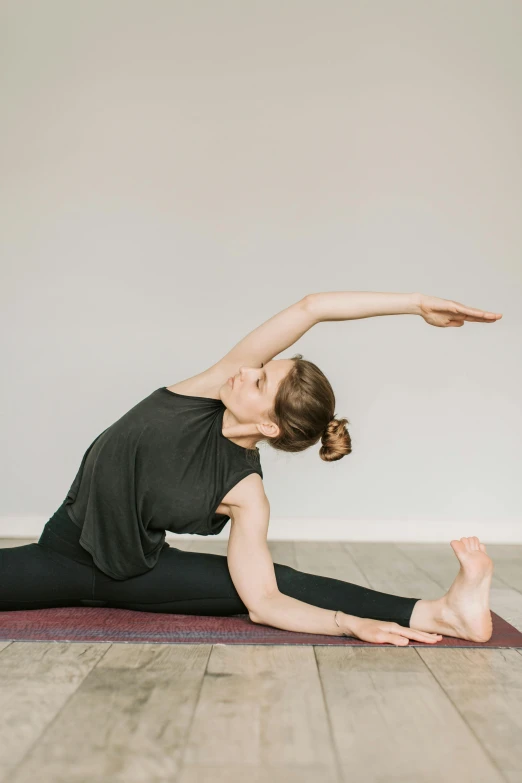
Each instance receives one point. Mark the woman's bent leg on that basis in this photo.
(184, 582)
(54, 572)
(32, 577)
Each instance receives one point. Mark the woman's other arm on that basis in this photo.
(252, 570)
(350, 305)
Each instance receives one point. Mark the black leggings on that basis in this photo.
(57, 571)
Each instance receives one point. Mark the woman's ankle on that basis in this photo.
(430, 616)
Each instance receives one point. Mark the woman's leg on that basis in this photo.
(33, 577)
(59, 572)
(184, 582)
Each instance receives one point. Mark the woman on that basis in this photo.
(185, 459)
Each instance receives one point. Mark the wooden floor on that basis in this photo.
(102, 712)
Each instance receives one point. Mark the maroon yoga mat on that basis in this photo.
(97, 624)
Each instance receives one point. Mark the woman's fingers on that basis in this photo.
(478, 320)
(399, 641)
(419, 636)
(429, 638)
(473, 314)
(402, 638)
(391, 633)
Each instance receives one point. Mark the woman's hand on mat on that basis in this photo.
(382, 632)
(445, 312)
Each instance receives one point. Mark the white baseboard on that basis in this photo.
(334, 529)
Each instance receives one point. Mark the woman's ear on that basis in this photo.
(269, 430)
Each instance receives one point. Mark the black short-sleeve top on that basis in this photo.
(164, 465)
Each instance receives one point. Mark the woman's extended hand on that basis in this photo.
(383, 632)
(445, 312)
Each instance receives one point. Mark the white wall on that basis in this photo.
(173, 173)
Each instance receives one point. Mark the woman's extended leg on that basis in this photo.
(36, 576)
(187, 582)
(200, 583)
(57, 571)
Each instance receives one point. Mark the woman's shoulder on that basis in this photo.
(247, 493)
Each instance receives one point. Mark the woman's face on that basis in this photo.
(253, 391)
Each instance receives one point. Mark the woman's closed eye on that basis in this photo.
(257, 382)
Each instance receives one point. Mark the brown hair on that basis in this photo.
(304, 412)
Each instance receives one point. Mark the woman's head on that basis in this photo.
(288, 403)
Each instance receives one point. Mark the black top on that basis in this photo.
(164, 465)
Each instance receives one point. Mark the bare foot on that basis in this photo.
(466, 604)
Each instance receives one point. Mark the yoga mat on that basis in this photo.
(97, 624)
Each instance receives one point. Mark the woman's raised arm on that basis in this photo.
(269, 339)
(350, 305)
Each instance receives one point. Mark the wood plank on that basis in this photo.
(127, 722)
(283, 552)
(485, 686)
(36, 681)
(391, 720)
(388, 570)
(328, 558)
(239, 773)
(181, 543)
(261, 707)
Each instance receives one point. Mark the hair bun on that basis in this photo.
(336, 440)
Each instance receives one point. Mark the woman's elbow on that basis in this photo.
(255, 616)
(261, 611)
